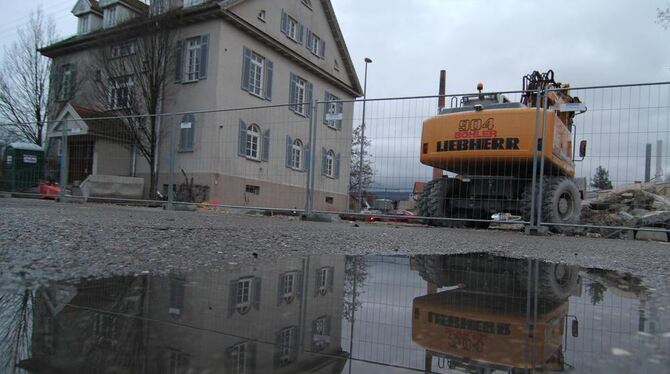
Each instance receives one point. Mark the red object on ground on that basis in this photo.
(48, 190)
(399, 215)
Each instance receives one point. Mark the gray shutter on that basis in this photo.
(280, 289)
(289, 148)
(242, 141)
(309, 95)
(308, 157)
(340, 109)
(294, 343)
(298, 288)
(179, 58)
(204, 55)
(252, 348)
(301, 33)
(331, 275)
(313, 334)
(291, 92)
(324, 165)
(322, 50)
(284, 22)
(317, 281)
(308, 43)
(326, 106)
(277, 350)
(337, 166)
(268, 79)
(73, 80)
(191, 138)
(265, 152)
(232, 298)
(326, 327)
(246, 68)
(256, 302)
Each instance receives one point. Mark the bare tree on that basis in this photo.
(15, 328)
(131, 76)
(24, 80)
(663, 17)
(360, 176)
(355, 276)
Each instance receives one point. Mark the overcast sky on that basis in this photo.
(586, 43)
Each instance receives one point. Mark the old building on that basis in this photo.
(275, 54)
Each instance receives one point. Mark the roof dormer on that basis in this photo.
(116, 12)
(89, 14)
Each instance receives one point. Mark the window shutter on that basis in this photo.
(280, 289)
(55, 82)
(191, 138)
(277, 351)
(232, 298)
(322, 50)
(340, 110)
(256, 302)
(179, 58)
(289, 149)
(204, 54)
(252, 348)
(284, 22)
(308, 157)
(268, 79)
(324, 162)
(298, 284)
(291, 92)
(309, 94)
(331, 275)
(326, 107)
(246, 68)
(337, 166)
(228, 360)
(242, 141)
(265, 152)
(301, 33)
(73, 80)
(326, 327)
(317, 282)
(294, 343)
(309, 42)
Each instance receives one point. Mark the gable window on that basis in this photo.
(120, 93)
(83, 24)
(307, 3)
(336, 66)
(261, 16)
(300, 93)
(189, 3)
(257, 74)
(67, 81)
(315, 44)
(244, 295)
(178, 362)
(187, 133)
(292, 28)
(254, 144)
(330, 166)
(333, 112)
(110, 16)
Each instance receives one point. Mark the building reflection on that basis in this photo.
(283, 317)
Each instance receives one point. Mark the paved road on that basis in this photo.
(46, 240)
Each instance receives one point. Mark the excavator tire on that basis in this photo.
(433, 202)
(561, 202)
(556, 282)
(431, 269)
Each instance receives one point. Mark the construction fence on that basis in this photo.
(596, 164)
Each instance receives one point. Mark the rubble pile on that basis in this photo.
(640, 207)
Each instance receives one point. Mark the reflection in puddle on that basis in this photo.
(335, 314)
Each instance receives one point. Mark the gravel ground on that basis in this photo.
(44, 240)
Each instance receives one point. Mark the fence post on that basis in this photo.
(532, 228)
(309, 186)
(545, 105)
(170, 192)
(64, 161)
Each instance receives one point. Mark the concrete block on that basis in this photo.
(652, 236)
(112, 186)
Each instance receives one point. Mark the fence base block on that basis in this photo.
(537, 231)
(320, 218)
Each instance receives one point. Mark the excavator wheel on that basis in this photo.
(556, 282)
(433, 203)
(561, 202)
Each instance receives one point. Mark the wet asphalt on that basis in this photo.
(44, 240)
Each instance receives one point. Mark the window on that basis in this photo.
(336, 66)
(333, 112)
(286, 342)
(187, 133)
(307, 3)
(110, 16)
(253, 138)
(324, 280)
(120, 93)
(254, 190)
(123, 49)
(178, 362)
(189, 3)
(330, 164)
(83, 24)
(256, 83)
(330, 160)
(192, 59)
(67, 82)
(159, 6)
(320, 333)
(261, 16)
(330, 200)
(177, 290)
(292, 28)
(300, 93)
(238, 355)
(315, 44)
(106, 328)
(288, 287)
(296, 154)
(243, 295)
(257, 74)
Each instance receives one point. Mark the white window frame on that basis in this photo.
(239, 353)
(256, 83)
(320, 324)
(111, 16)
(314, 44)
(123, 49)
(292, 26)
(118, 88)
(300, 92)
(286, 343)
(296, 154)
(66, 83)
(324, 274)
(330, 163)
(253, 142)
(288, 286)
(83, 25)
(307, 3)
(192, 56)
(190, 3)
(176, 364)
(332, 109)
(243, 294)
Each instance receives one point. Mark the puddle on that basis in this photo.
(335, 314)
